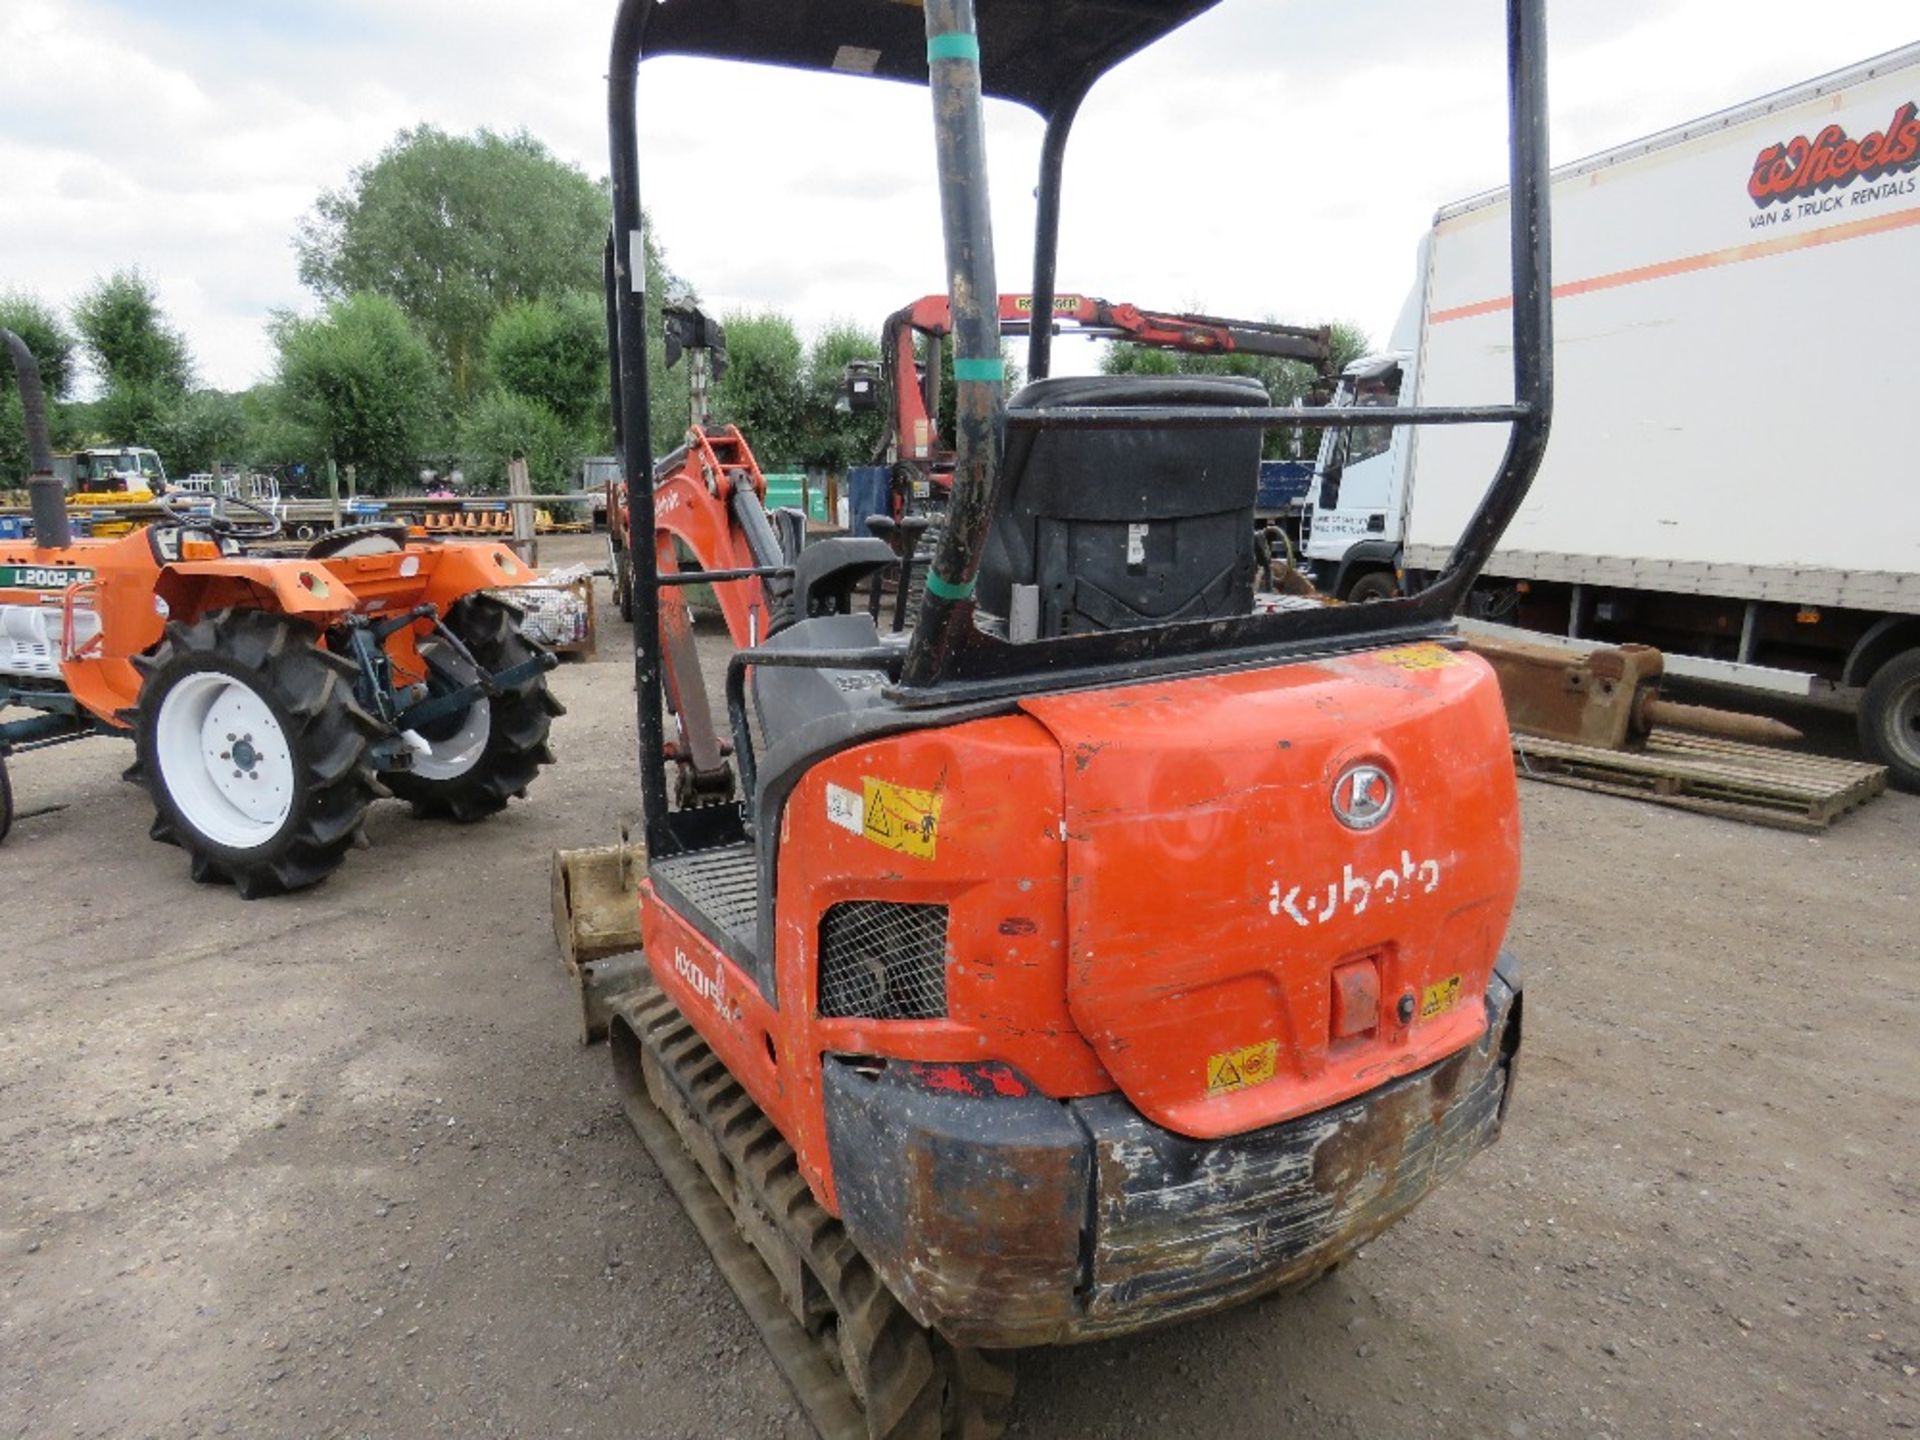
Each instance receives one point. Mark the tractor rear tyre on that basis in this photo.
(480, 761)
(254, 750)
(1890, 719)
(6, 799)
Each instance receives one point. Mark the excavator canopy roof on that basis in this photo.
(1041, 53)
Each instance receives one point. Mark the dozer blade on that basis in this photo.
(596, 925)
(860, 1366)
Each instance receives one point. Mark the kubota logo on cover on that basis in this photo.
(1833, 160)
(1362, 796)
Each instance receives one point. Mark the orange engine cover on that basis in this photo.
(1148, 889)
(1213, 890)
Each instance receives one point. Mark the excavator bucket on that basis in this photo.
(1604, 696)
(596, 925)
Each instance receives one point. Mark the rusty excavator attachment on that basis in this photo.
(596, 924)
(1607, 697)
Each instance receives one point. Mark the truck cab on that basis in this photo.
(1356, 512)
(1353, 526)
(120, 471)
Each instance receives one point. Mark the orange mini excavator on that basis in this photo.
(1101, 949)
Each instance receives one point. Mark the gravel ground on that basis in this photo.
(338, 1166)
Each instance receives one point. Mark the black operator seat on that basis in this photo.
(1124, 527)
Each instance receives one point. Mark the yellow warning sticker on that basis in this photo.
(1439, 998)
(1240, 1069)
(1418, 657)
(900, 819)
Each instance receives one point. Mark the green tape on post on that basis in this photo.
(957, 46)
(986, 371)
(937, 586)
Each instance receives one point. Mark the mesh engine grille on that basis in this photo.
(881, 960)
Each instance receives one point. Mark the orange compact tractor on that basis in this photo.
(1100, 949)
(269, 700)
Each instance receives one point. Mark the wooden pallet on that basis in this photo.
(1756, 783)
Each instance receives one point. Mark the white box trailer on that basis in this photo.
(1732, 474)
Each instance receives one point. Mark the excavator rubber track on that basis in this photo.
(859, 1364)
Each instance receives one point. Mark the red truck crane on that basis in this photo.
(922, 466)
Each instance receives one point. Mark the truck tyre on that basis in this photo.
(1890, 719)
(254, 750)
(1372, 586)
(479, 761)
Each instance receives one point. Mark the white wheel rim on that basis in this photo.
(453, 757)
(1903, 725)
(224, 760)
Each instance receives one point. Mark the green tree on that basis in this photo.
(51, 342)
(455, 228)
(832, 438)
(206, 427)
(503, 424)
(763, 392)
(274, 439)
(53, 346)
(1349, 344)
(1288, 382)
(142, 361)
(363, 386)
(554, 351)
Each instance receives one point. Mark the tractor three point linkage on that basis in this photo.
(270, 700)
(1098, 948)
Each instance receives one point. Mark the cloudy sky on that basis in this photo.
(1276, 157)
